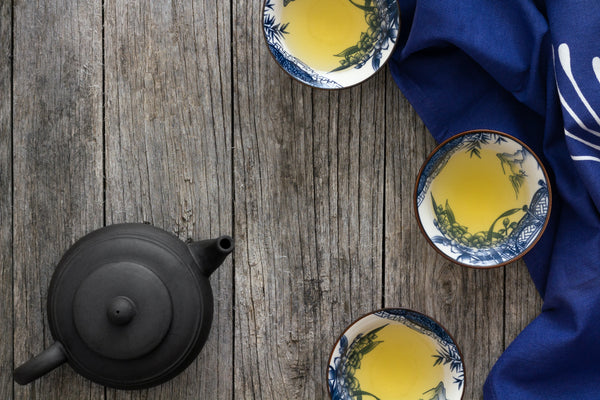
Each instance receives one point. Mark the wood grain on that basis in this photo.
(523, 302)
(168, 149)
(6, 270)
(57, 166)
(468, 302)
(309, 217)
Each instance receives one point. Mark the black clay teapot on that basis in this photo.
(129, 306)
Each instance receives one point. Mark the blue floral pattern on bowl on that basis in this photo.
(361, 337)
(357, 62)
(506, 240)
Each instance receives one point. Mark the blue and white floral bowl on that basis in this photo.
(435, 374)
(513, 192)
(364, 55)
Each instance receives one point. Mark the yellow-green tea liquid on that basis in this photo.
(478, 191)
(401, 367)
(319, 29)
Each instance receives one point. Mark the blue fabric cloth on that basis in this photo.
(506, 65)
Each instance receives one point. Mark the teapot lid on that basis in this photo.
(130, 306)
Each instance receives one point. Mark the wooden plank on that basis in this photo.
(523, 302)
(6, 268)
(168, 149)
(57, 165)
(309, 217)
(469, 303)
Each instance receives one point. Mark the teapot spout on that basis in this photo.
(211, 253)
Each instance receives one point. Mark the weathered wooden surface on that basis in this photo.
(308, 171)
(168, 149)
(6, 265)
(57, 164)
(175, 113)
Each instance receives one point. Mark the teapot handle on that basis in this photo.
(41, 364)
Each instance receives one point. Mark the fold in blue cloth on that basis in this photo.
(531, 69)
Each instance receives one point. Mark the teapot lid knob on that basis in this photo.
(121, 310)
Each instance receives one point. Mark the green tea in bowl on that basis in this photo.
(395, 354)
(322, 29)
(482, 198)
(331, 44)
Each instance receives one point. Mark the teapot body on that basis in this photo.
(130, 306)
